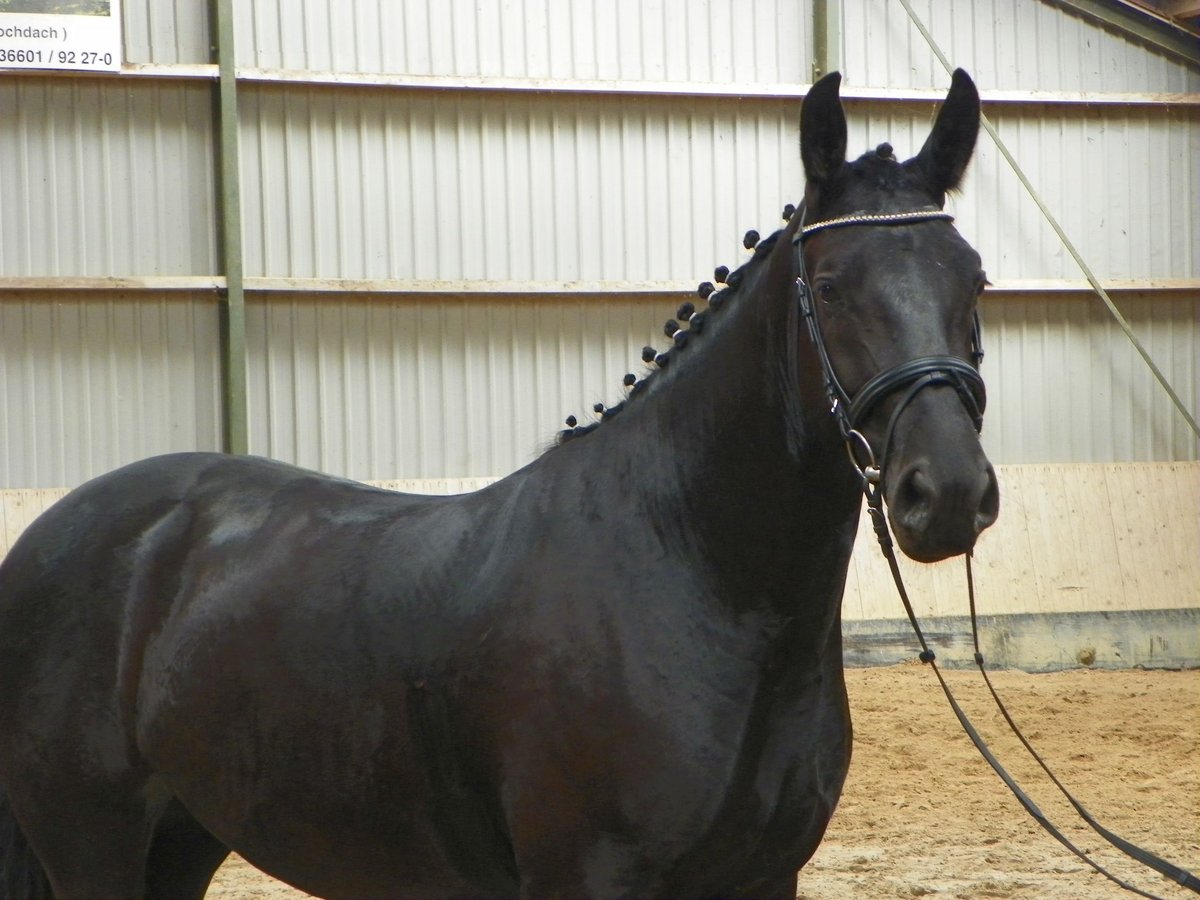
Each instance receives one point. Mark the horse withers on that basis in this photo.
(615, 673)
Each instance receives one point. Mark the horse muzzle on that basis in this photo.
(935, 515)
(940, 488)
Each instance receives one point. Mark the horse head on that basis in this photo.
(889, 289)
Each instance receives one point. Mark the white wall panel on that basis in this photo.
(105, 178)
(166, 31)
(375, 388)
(1122, 182)
(1005, 44)
(452, 186)
(655, 40)
(434, 388)
(88, 384)
(1065, 384)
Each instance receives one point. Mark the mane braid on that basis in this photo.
(696, 319)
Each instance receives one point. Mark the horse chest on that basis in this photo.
(781, 787)
(691, 789)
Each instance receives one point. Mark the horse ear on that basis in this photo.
(823, 130)
(948, 149)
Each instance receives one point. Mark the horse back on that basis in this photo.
(126, 554)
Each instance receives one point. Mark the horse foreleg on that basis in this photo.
(781, 889)
(92, 846)
(183, 857)
(21, 874)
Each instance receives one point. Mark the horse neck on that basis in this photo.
(734, 457)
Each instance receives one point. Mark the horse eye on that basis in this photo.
(826, 291)
(981, 283)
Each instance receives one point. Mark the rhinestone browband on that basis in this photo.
(896, 218)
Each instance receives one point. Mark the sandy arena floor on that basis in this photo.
(923, 816)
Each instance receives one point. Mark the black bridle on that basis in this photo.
(849, 412)
(910, 376)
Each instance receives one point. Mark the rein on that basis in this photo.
(1169, 870)
(849, 412)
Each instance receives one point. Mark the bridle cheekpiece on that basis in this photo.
(909, 376)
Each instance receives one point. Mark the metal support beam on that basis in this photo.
(552, 89)
(234, 418)
(1141, 25)
(24, 288)
(827, 37)
(1181, 9)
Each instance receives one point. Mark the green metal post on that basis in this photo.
(235, 438)
(827, 37)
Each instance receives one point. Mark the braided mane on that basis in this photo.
(687, 327)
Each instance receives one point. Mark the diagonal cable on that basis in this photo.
(1062, 235)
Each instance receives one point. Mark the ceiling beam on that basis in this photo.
(1139, 24)
(1180, 8)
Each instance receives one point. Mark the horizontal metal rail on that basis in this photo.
(482, 289)
(628, 88)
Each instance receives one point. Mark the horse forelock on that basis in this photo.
(875, 182)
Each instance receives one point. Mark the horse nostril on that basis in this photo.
(914, 498)
(939, 512)
(989, 502)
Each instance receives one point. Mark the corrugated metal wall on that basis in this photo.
(1065, 384)
(459, 186)
(1117, 178)
(100, 177)
(89, 382)
(166, 32)
(433, 389)
(752, 41)
(416, 235)
(455, 387)
(1011, 44)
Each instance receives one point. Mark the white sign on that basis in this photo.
(60, 34)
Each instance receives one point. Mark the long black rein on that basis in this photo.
(912, 376)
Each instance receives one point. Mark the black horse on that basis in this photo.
(615, 673)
